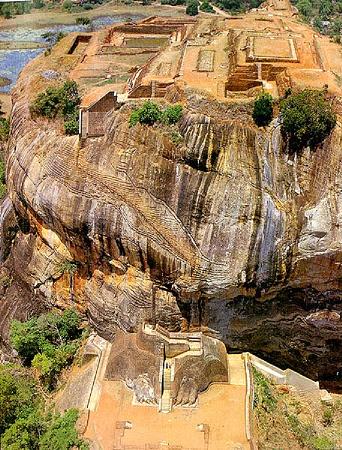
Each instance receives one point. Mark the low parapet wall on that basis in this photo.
(279, 376)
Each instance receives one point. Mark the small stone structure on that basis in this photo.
(271, 48)
(79, 44)
(92, 116)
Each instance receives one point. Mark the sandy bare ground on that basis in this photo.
(6, 103)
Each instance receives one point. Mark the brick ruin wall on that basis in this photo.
(93, 123)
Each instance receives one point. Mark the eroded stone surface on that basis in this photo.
(223, 232)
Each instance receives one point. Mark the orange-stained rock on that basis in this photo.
(223, 231)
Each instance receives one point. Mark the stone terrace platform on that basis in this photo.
(217, 421)
(229, 58)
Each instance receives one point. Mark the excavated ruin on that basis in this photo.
(225, 231)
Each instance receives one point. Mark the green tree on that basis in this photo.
(48, 343)
(44, 431)
(62, 101)
(192, 8)
(25, 338)
(83, 21)
(148, 114)
(263, 109)
(305, 8)
(24, 433)
(172, 114)
(62, 434)
(325, 8)
(205, 6)
(4, 129)
(307, 118)
(17, 395)
(67, 5)
(38, 4)
(71, 124)
(6, 11)
(25, 423)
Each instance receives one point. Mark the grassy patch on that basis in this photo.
(285, 420)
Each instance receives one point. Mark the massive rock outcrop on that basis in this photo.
(224, 232)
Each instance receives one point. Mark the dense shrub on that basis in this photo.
(38, 4)
(8, 9)
(263, 109)
(25, 421)
(4, 129)
(150, 113)
(206, 7)
(47, 104)
(173, 2)
(60, 101)
(172, 114)
(87, 6)
(235, 6)
(192, 8)
(307, 118)
(17, 395)
(83, 21)
(61, 433)
(263, 395)
(35, 429)
(67, 5)
(48, 343)
(305, 7)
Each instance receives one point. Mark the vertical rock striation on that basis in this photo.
(224, 232)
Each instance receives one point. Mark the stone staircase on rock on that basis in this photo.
(166, 399)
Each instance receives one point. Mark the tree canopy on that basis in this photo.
(263, 109)
(62, 101)
(150, 113)
(26, 421)
(48, 343)
(192, 8)
(307, 118)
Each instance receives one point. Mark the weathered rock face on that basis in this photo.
(225, 232)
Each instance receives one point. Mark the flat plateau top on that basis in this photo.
(270, 47)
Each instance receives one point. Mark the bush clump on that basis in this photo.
(24, 422)
(4, 129)
(263, 109)
(60, 101)
(150, 113)
(47, 343)
(83, 21)
(67, 5)
(237, 6)
(173, 2)
(192, 8)
(172, 114)
(206, 7)
(307, 118)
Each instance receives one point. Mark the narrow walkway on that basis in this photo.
(236, 370)
(166, 400)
